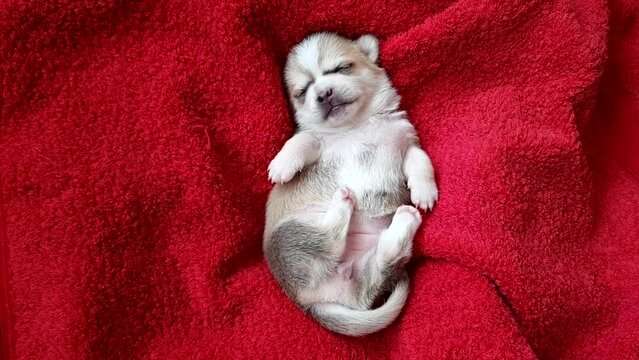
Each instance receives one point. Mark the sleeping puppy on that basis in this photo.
(338, 231)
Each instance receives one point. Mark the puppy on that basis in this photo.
(338, 231)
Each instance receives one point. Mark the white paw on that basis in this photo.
(408, 217)
(283, 168)
(343, 197)
(424, 194)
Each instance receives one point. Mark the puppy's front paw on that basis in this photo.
(283, 168)
(424, 194)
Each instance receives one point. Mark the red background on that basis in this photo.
(134, 141)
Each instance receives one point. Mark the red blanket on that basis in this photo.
(134, 141)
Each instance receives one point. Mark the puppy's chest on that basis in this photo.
(364, 164)
(370, 164)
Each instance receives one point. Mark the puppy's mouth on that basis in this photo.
(335, 108)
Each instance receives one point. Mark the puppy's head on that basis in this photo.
(333, 81)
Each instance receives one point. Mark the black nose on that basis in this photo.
(325, 95)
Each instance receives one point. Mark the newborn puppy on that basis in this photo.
(338, 230)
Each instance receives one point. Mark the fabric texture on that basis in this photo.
(134, 142)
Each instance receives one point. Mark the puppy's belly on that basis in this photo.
(363, 235)
(363, 231)
(362, 238)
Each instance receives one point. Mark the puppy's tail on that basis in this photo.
(346, 321)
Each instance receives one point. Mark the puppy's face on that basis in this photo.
(332, 80)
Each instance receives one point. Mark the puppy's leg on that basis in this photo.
(299, 151)
(383, 265)
(396, 243)
(420, 178)
(336, 221)
(301, 254)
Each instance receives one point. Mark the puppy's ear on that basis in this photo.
(369, 45)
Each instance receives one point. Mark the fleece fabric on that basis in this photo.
(134, 142)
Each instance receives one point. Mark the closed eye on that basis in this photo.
(301, 93)
(344, 69)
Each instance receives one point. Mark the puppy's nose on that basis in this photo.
(325, 95)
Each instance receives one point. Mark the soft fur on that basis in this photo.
(134, 139)
(338, 233)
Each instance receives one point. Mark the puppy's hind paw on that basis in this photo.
(343, 196)
(409, 215)
(339, 210)
(405, 222)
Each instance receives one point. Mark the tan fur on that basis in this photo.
(349, 163)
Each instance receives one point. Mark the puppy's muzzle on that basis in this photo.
(328, 102)
(325, 96)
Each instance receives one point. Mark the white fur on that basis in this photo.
(368, 147)
(309, 53)
(369, 45)
(420, 178)
(299, 151)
